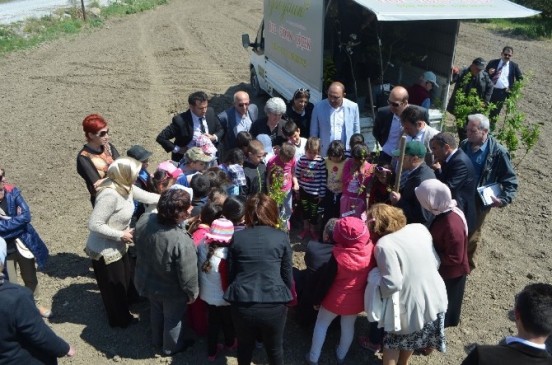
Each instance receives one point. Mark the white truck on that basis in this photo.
(369, 45)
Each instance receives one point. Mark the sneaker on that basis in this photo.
(212, 358)
(314, 235)
(234, 346)
(303, 234)
(365, 343)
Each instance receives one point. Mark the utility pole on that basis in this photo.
(83, 10)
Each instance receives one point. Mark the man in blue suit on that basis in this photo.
(334, 118)
(236, 119)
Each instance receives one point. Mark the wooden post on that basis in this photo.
(400, 165)
(83, 10)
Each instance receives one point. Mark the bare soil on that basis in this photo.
(137, 72)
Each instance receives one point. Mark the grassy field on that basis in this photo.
(34, 31)
(534, 28)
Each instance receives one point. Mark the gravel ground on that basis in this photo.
(137, 72)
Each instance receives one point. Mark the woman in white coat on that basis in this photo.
(408, 264)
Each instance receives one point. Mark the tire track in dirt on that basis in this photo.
(158, 90)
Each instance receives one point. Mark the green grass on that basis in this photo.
(536, 27)
(34, 31)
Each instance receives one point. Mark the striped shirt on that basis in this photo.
(312, 175)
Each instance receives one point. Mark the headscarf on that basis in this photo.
(121, 175)
(436, 197)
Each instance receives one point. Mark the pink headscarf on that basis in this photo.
(435, 196)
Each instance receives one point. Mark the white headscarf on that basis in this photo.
(435, 196)
(121, 175)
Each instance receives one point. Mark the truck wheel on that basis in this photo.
(255, 87)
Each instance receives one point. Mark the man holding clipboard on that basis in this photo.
(496, 179)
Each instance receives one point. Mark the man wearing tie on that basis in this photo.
(236, 119)
(186, 127)
(504, 73)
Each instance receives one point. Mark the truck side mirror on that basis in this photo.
(245, 41)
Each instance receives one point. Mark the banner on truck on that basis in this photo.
(294, 37)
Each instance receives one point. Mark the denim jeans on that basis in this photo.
(166, 324)
(269, 320)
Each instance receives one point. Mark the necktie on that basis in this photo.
(202, 124)
(404, 177)
(496, 76)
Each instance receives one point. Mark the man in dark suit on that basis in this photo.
(454, 168)
(387, 126)
(533, 316)
(236, 119)
(416, 171)
(186, 127)
(473, 77)
(504, 73)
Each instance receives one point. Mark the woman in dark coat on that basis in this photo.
(299, 110)
(450, 239)
(260, 279)
(166, 268)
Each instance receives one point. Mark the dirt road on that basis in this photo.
(137, 72)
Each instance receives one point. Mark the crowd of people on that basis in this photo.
(206, 236)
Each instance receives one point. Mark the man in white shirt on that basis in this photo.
(416, 129)
(533, 316)
(334, 118)
(387, 126)
(186, 127)
(504, 72)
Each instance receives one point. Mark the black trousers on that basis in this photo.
(455, 295)
(497, 97)
(309, 203)
(114, 283)
(330, 203)
(219, 318)
(269, 320)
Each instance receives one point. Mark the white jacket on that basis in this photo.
(210, 284)
(408, 264)
(384, 311)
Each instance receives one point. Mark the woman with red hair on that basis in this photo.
(96, 155)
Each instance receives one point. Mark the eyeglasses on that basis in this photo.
(241, 105)
(103, 133)
(507, 55)
(395, 104)
(382, 169)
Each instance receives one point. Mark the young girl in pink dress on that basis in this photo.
(357, 175)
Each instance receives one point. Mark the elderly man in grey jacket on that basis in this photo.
(166, 268)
